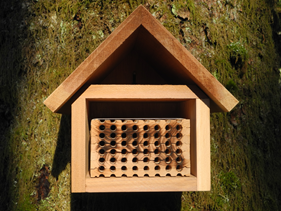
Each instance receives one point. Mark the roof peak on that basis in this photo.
(141, 33)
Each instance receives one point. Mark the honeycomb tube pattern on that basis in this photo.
(127, 148)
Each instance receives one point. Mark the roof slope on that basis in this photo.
(141, 31)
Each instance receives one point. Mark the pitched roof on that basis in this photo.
(153, 42)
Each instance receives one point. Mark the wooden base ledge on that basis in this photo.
(145, 184)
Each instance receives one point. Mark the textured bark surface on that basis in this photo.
(42, 42)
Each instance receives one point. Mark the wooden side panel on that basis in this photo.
(203, 145)
(79, 138)
(188, 110)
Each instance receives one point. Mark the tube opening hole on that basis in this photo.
(146, 160)
(135, 168)
(156, 135)
(112, 135)
(124, 168)
(101, 175)
(124, 135)
(145, 152)
(168, 175)
(124, 160)
(179, 135)
(113, 143)
(145, 135)
(167, 151)
(101, 168)
(102, 135)
(102, 151)
(157, 168)
(156, 151)
(156, 127)
(124, 143)
(112, 175)
(168, 159)
(145, 143)
(135, 160)
(168, 127)
(179, 127)
(124, 127)
(102, 127)
(157, 175)
(135, 152)
(135, 135)
(124, 151)
(168, 135)
(101, 160)
(102, 120)
(146, 168)
(112, 120)
(135, 143)
(168, 143)
(157, 160)
(112, 160)
(124, 175)
(168, 168)
(113, 127)
(102, 143)
(113, 152)
(179, 159)
(179, 168)
(157, 143)
(179, 143)
(135, 127)
(112, 168)
(178, 151)
(145, 128)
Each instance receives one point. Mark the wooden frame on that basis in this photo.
(192, 107)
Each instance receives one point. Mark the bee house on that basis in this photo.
(140, 109)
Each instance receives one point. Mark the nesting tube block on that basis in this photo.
(140, 148)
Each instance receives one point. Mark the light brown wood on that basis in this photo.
(79, 145)
(142, 34)
(188, 109)
(139, 92)
(203, 151)
(144, 184)
(140, 147)
(197, 110)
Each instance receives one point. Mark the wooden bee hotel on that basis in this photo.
(140, 113)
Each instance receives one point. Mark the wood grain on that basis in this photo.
(148, 147)
(144, 184)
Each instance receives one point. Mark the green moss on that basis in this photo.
(231, 86)
(44, 41)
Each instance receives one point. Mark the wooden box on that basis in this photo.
(139, 102)
(166, 84)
